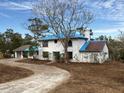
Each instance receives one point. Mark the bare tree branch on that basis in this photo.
(63, 17)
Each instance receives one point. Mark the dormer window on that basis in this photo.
(70, 43)
(55, 41)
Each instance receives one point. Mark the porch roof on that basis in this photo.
(25, 48)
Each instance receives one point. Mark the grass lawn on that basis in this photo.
(8, 73)
(91, 78)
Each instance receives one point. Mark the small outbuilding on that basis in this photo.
(94, 52)
(25, 52)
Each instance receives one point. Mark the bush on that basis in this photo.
(122, 54)
(1, 55)
(7, 55)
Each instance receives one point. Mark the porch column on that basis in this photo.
(28, 55)
(15, 54)
(21, 54)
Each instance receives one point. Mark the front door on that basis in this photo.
(56, 55)
(25, 54)
(95, 58)
(18, 54)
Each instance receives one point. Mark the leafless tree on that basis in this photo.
(121, 36)
(121, 39)
(63, 17)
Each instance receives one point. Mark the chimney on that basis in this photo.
(87, 33)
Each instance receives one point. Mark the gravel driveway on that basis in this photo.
(43, 80)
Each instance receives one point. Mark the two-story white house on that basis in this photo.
(80, 49)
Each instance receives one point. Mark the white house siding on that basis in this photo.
(87, 34)
(77, 44)
(18, 54)
(105, 49)
(91, 57)
(57, 47)
(52, 47)
(104, 55)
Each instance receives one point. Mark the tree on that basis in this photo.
(112, 45)
(27, 39)
(16, 41)
(121, 37)
(104, 37)
(9, 40)
(37, 27)
(2, 43)
(63, 18)
(116, 46)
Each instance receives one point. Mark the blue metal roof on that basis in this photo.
(83, 48)
(35, 48)
(53, 37)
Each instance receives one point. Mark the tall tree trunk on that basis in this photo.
(66, 52)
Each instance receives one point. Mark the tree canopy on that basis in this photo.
(63, 18)
(10, 40)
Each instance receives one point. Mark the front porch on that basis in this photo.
(26, 52)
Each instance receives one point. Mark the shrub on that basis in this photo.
(7, 55)
(1, 55)
(122, 54)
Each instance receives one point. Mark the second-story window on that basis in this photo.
(55, 41)
(70, 43)
(45, 43)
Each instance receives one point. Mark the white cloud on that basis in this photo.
(105, 3)
(108, 31)
(110, 11)
(107, 9)
(25, 5)
(4, 15)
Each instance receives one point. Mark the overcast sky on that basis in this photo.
(109, 15)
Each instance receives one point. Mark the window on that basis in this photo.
(69, 55)
(45, 55)
(56, 55)
(45, 43)
(37, 52)
(86, 56)
(70, 43)
(55, 41)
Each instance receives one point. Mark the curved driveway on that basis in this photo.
(43, 80)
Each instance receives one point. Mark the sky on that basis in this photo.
(108, 15)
